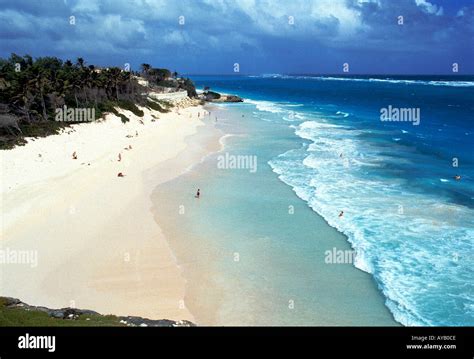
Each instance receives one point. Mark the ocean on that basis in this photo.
(386, 186)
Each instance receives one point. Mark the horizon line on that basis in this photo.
(318, 74)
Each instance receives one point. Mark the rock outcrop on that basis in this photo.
(211, 96)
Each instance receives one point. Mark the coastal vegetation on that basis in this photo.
(31, 90)
(161, 106)
(14, 312)
(13, 315)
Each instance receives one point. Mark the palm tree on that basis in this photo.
(114, 74)
(40, 83)
(80, 62)
(85, 81)
(22, 101)
(145, 69)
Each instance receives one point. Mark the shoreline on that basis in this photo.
(50, 204)
(219, 290)
(151, 272)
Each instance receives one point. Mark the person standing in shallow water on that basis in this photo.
(198, 193)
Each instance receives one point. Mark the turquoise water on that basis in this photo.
(410, 221)
(261, 251)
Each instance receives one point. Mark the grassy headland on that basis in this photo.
(13, 312)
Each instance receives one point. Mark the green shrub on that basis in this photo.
(42, 128)
(156, 106)
(9, 142)
(165, 104)
(111, 107)
(105, 107)
(130, 106)
(123, 117)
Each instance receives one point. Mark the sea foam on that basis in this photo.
(410, 242)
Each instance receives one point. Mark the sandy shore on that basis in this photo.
(247, 258)
(97, 243)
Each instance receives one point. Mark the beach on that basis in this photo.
(94, 239)
(308, 214)
(252, 252)
(143, 245)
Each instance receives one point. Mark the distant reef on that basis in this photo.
(13, 312)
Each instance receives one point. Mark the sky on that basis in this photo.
(251, 36)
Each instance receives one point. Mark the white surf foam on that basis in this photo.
(408, 241)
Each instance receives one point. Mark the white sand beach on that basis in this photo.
(97, 242)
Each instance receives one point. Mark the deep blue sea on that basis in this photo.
(409, 220)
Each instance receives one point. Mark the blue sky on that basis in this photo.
(266, 36)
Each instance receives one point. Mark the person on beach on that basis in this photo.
(74, 155)
(120, 157)
(198, 194)
(120, 174)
